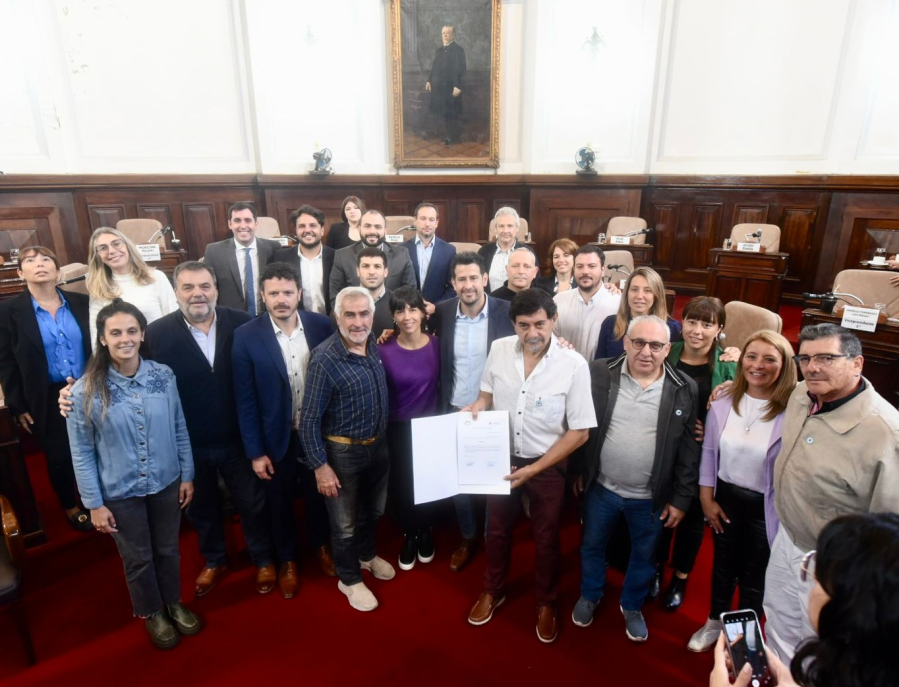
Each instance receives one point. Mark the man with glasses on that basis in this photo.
(641, 461)
(839, 455)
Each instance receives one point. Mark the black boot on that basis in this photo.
(409, 552)
(674, 596)
(655, 585)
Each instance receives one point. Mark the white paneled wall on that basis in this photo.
(255, 86)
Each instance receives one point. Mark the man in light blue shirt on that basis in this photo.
(432, 258)
(466, 326)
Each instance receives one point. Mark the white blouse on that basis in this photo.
(744, 445)
(153, 300)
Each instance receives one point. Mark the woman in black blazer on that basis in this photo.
(346, 233)
(44, 338)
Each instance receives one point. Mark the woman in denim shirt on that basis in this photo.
(134, 468)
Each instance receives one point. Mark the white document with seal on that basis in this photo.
(454, 454)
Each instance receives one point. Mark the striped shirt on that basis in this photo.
(345, 396)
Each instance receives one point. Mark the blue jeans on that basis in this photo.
(363, 472)
(602, 509)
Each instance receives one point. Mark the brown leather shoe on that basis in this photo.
(482, 611)
(326, 561)
(207, 579)
(266, 576)
(462, 556)
(547, 624)
(288, 579)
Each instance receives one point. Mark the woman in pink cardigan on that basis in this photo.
(736, 476)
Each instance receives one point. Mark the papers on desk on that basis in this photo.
(454, 454)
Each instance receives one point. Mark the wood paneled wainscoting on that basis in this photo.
(828, 223)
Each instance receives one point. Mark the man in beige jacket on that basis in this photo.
(840, 455)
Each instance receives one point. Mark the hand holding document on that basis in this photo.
(456, 454)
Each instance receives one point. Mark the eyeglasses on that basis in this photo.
(654, 346)
(821, 359)
(807, 568)
(103, 249)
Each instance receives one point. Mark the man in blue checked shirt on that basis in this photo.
(342, 431)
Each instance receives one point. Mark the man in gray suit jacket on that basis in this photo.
(233, 258)
(372, 228)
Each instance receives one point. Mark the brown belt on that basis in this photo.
(351, 442)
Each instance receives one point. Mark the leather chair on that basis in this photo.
(619, 226)
(618, 257)
(140, 230)
(770, 235)
(12, 567)
(522, 229)
(70, 271)
(745, 319)
(465, 247)
(397, 222)
(267, 228)
(871, 286)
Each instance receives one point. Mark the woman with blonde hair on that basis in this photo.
(644, 294)
(561, 267)
(116, 270)
(736, 476)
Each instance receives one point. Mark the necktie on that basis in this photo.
(249, 290)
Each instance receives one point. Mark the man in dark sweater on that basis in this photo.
(521, 270)
(196, 343)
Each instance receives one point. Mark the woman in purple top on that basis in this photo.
(412, 362)
(736, 476)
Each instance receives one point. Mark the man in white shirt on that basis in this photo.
(312, 259)
(582, 310)
(240, 257)
(496, 254)
(546, 391)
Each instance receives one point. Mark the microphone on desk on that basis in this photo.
(816, 296)
(167, 229)
(72, 280)
(639, 232)
(620, 268)
(755, 235)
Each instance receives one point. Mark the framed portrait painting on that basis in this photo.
(445, 64)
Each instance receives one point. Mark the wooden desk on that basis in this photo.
(642, 253)
(15, 482)
(755, 278)
(879, 348)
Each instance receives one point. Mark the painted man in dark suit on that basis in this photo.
(40, 319)
(270, 357)
(196, 343)
(234, 258)
(432, 258)
(311, 258)
(445, 84)
(373, 229)
(467, 326)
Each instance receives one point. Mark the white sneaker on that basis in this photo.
(381, 569)
(359, 595)
(706, 636)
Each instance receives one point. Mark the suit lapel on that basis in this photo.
(413, 258)
(271, 344)
(28, 319)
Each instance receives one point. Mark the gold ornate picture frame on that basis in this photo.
(445, 62)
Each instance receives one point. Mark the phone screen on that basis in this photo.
(744, 641)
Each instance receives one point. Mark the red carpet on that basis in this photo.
(81, 622)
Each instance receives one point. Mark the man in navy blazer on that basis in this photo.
(432, 258)
(311, 258)
(196, 342)
(270, 356)
(467, 325)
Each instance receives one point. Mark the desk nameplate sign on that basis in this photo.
(862, 319)
(394, 238)
(149, 252)
(747, 247)
(620, 240)
(284, 241)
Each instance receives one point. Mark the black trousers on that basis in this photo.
(53, 439)
(741, 551)
(687, 541)
(205, 510)
(401, 492)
